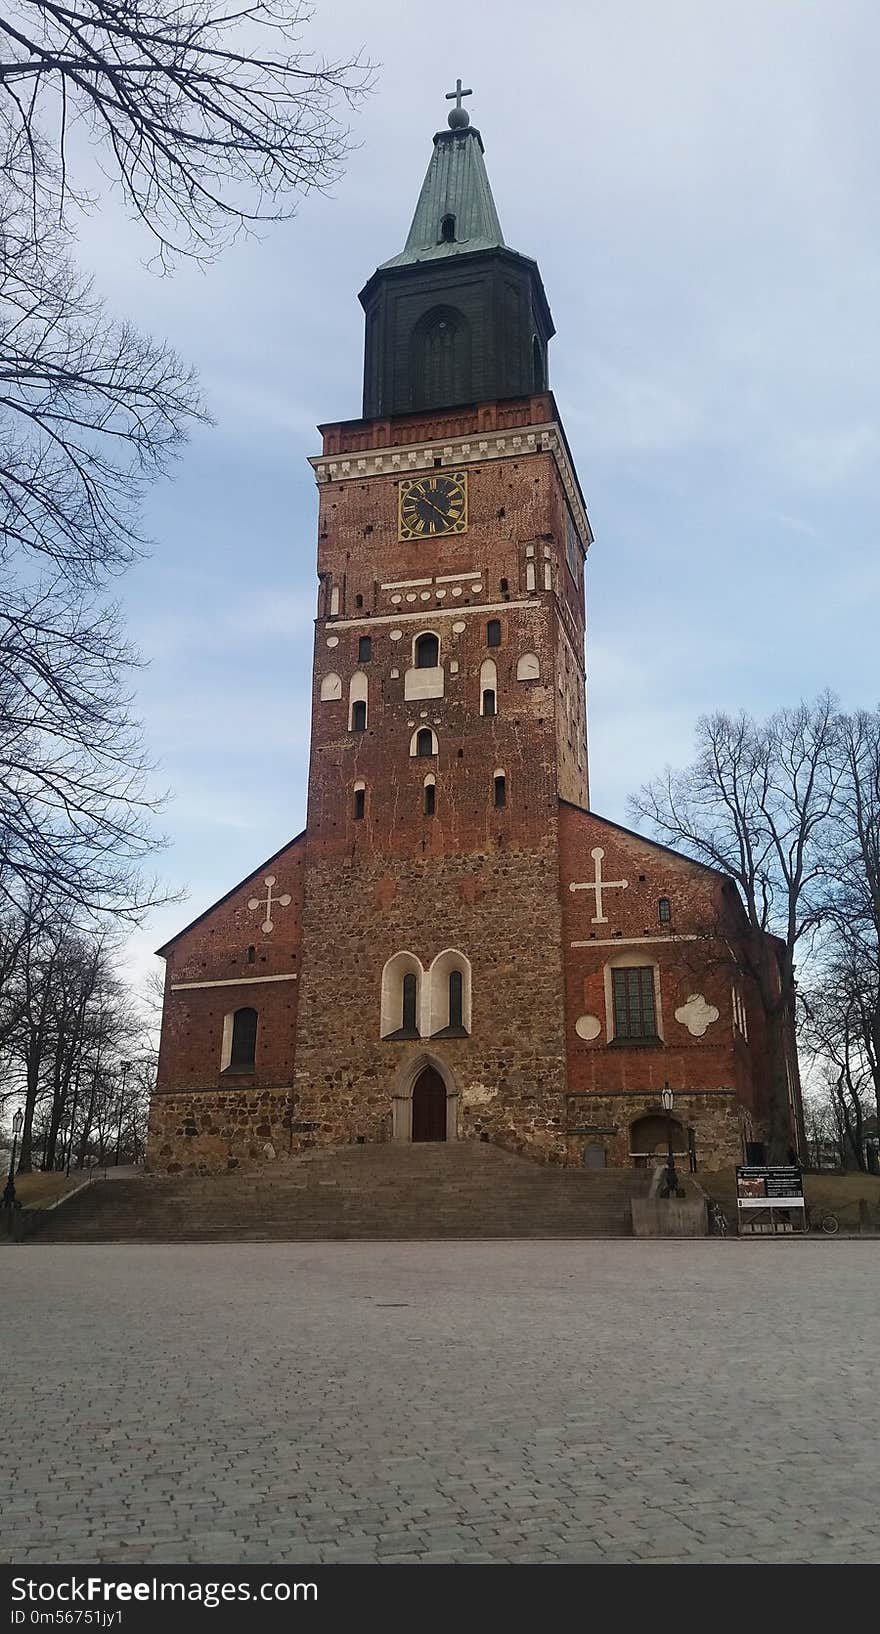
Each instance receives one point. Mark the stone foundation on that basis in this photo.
(217, 1130)
(715, 1116)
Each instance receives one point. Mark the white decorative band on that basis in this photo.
(511, 443)
(234, 981)
(458, 611)
(631, 941)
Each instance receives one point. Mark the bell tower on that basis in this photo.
(448, 711)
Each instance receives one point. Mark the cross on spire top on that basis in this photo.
(459, 117)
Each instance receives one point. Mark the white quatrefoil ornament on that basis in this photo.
(268, 902)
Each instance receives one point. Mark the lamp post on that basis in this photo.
(125, 1067)
(9, 1198)
(671, 1188)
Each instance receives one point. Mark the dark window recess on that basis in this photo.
(489, 702)
(493, 633)
(425, 742)
(427, 652)
(359, 601)
(664, 909)
(244, 1041)
(408, 1020)
(430, 799)
(360, 800)
(500, 787)
(634, 1015)
(359, 716)
(504, 587)
(455, 998)
(365, 649)
(447, 230)
(251, 955)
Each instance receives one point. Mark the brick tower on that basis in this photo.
(456, 946)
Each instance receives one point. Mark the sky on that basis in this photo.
(697, 181)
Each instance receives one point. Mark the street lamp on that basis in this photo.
(671, 1187)
(9, 1198)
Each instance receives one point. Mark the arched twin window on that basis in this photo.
(239, 1048)
(426, 1004)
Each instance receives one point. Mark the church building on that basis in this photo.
(457, 947)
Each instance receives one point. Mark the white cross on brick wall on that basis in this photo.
(267, 902)
(599, 885)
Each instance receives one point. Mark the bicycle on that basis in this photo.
(717, 1220)
(826, 1222)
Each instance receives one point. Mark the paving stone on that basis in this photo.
(248, 1403)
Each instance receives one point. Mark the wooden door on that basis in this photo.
(429, 1106)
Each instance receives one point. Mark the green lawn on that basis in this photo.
(39, 1190)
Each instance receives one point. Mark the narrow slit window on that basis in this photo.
(365, 649)
(664, 910)
(430, 799)
(360, 802)
(455, 999)
(408, 1016)
(359, 715)
(493, 633)
(251, 955)
(489, 701)
(500, 790)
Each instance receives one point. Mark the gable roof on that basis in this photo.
(657, 845)
(161, 952)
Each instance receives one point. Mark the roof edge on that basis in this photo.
(162, 951)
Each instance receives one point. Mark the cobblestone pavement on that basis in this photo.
(503, 1401)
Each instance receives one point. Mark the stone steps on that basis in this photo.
(466, 1189)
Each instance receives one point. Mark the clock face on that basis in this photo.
(433, 505)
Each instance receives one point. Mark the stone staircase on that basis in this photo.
(464, 1189)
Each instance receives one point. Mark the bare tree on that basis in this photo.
(833, 1032)
(755, 804)
(207, 119)
(854, 882)
(208, 116)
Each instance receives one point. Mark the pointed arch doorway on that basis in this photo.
(429, 1106)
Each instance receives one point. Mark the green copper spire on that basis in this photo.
(458, 317)
(456, 212)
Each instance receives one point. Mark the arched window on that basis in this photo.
(488, 685)
(423, 742)
(427, 650)
(449, 995)
(493, 633)
(357, 702)
(360, 800)
(440, 359)
(430, 795)
(239, 1040)
(528, 667)
(401, 983)
(499, 790)
(331, 688)
(447, 230)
